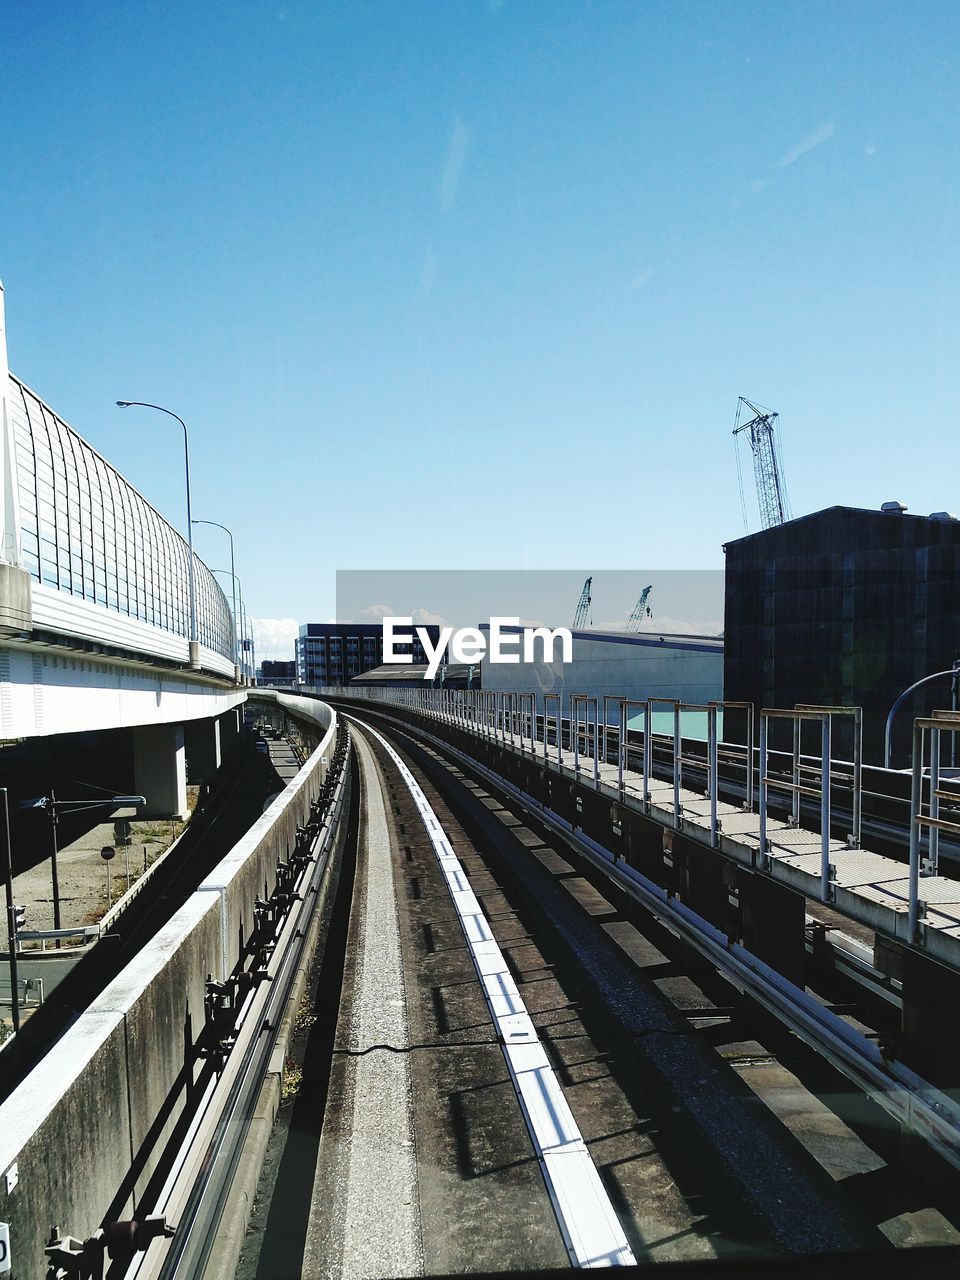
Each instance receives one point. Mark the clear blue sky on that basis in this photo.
(478, 284)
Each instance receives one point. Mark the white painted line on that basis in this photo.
(591, 1229)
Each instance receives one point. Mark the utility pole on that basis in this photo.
(11, 918)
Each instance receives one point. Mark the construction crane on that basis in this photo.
(767, 463)
(583, 608)
(641, 610)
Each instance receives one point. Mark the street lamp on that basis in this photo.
(215, 525)
(239, 587)
(54, 808)
(194, 641)
(953, 672)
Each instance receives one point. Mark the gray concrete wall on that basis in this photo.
(164, 1013)
(249, 871)
(67, 1132)
(77, 1123)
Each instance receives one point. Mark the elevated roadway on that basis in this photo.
(97, 626)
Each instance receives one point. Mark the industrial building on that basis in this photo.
(332, 653)
(451, 675)
(634, 665)
(845, 607)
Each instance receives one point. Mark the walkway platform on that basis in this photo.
(868, 887)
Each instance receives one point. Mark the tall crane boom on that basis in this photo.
(767, 462)
(641, 609)
(583, 608)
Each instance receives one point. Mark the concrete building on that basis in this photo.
(332, 653)
(845, 607)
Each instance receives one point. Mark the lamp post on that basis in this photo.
(54, 807)
(253, 650)
(239, 588)
(11, 920)
(233, 576)
(194, 641)
(953, 672)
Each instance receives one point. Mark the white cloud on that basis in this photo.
(666, 627)
(680, 627)
(642, 279)
(274, 638)
(820, 134)
(374, 612)
(453, 165)
(425, 618)
(421, 617)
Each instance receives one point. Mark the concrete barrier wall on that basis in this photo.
(249, 871)
(84, 1132)
(161, 995)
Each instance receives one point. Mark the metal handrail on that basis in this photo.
(935, 724)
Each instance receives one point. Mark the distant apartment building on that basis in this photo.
(333, 653)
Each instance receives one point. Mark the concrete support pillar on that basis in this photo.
(160, 770)
(202, 739)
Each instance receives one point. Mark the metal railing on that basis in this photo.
(806, 774)
(586, 732)
(724, 773)
(941, 722)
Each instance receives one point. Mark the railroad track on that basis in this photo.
(549, 1077)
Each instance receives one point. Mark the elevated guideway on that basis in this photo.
(731, 797)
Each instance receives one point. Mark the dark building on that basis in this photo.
(277, 674)
(334, 652)
(845, 607)
(281, 670)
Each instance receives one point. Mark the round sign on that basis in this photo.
(108, 852)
